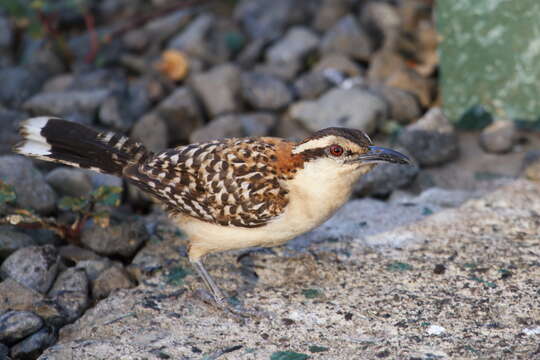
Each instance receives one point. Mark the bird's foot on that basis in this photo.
(231, 306)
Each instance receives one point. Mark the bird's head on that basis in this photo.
(345, 150)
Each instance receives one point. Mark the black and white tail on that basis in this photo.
(69, 143)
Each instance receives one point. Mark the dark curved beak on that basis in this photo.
(378, 154)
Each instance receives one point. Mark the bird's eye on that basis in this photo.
(336, 150)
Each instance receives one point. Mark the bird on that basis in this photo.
(226, 194)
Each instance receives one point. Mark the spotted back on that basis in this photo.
(229, 182)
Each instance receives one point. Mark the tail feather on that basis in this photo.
(56, 140)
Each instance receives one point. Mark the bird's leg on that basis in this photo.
(218, 296)
(216, 292)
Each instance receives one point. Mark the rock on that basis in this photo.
(444, 198)
(284, 71)
(58, 83)
(166, 26)
(64, 103)
(404, 106)
(410, 80)
(267, 21)
(193, 39)
(11, 241)
(431, 140)
(77, 254)
(95, 267)
(219, 88)
(311, 85)
(354, 108)
(34, 266)
(294, 46)
(152, 131)
(70, 182)
(70, 291)
(264, 91)
(348, 38)
(16, 325)
(384, 179)
(15, 296)
(136, 40)
(99, 179)
(499, 137)
(9, 136)
(329, 12)
(531, 165)
(6, 33)
(117, 239)
(31, 189)
(18, 84)
(34, 345)
(181, 113)
(111, 279)
(384, 63)
(338, 62)
(381, 19)
(226, 126)
(258, 124)
(4, 352)
(113, 114)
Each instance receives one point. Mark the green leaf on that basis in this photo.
(7, 193)
(288, 355)
(107, 195)
(311, 293)
(76, 204)
(399, 266)
(317, 349)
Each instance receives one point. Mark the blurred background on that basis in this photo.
(454, 84)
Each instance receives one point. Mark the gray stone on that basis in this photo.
(6, 33)
(258, 124)
(70, 182)
(113, 114)
(264, 91)
(4, 352)
(285, 71)
(348, 38)
(34, 345)
(18, 84)
(9, 120)
(353, 108)
(193, 39)
(31, 189)
(182, 114)
(136, 40)
(311, 85)
(329, 12)
(266, 20)
(16, 325)
(15, 296)
(166, 26)
(499, 137)
(63, 103)
(339, 62)
(34, 266)
(294, 46)
(381, 19)
(226, 126)
(384, 63)
(219, 89)
(11, 241)
(384, 179)
(113, 278)
(444, 198)
(99, 179)
(77, 254)
(95, 267)
(431, 140)
(404, 106)
(70, 291)
(58, 83)
(152, 131)
(117, 239)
